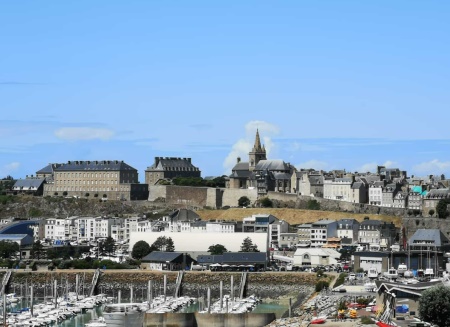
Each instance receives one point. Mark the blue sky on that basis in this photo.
(330, 84)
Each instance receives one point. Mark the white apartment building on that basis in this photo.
(55, 229)
(338, 189)
(348, 228)
(91, 229)
(321, 231)
(304, 234)
(376, 193)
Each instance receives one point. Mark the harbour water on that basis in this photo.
(81, 319)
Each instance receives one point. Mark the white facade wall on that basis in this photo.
(338, 190)
(200, 242)
(375, 195)
(220, 228)
(90, 229)
(55, 229)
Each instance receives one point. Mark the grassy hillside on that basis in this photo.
(292, 216)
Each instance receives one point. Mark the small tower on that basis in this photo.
(257, 153)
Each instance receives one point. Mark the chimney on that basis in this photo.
(238, 159)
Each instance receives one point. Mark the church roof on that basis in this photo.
(276, 164)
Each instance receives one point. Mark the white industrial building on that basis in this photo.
(200, 241)
(315, 257)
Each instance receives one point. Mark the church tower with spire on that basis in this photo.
(257, 153)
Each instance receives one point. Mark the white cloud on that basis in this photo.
(372, 166)
(435, 167)
(83, 133)
(243, 146)
(314, 164)
(9, 169)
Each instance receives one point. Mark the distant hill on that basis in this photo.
(292, 216)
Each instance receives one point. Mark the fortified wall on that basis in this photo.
(199, 197)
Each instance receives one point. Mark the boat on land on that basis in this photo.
(318, 320)
(372, 273)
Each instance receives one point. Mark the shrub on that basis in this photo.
(65, 193)
(313, 205)
(95, 195)
(366, 320)
(340, 280)
(86, 194)
(321, 284)
(266, 203)
(431, 212)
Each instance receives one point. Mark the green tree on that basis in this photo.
(37, 250)
(243, 201)
(313, 205)
(163, 243)
(8, 249)
(217, 249)
(140, 250)
(248, 246)
(434, 305)
(266, 203)
(107, 247)
(170, 247)
(431, 212)
(441, 208)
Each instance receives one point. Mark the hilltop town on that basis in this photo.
(88, 201)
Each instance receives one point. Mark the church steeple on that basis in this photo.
(258, 152)
(257, 146)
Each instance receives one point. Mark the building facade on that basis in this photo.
(321, 231)
(106, 179)
(168, 168)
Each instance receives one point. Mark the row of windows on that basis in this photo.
(77, 182)
(76, 188)
(78, 175)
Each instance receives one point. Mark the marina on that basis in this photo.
(67, 304)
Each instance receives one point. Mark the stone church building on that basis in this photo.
(260, 173)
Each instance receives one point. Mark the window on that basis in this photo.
(306, 256)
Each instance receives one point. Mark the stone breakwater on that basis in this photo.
(265, 285)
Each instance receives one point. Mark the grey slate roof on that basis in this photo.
(234, 258)
(244, 257)
(164, 163)
(48, 169)
(276, 164)
(241, 166)
(210, 259)
(97, 165)
(315, 180)
(438, 193)
(28, 184)
(157, 256)
(357, 185)
(370, 223)
(428, 235)
(184, 215)
(240, 174)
